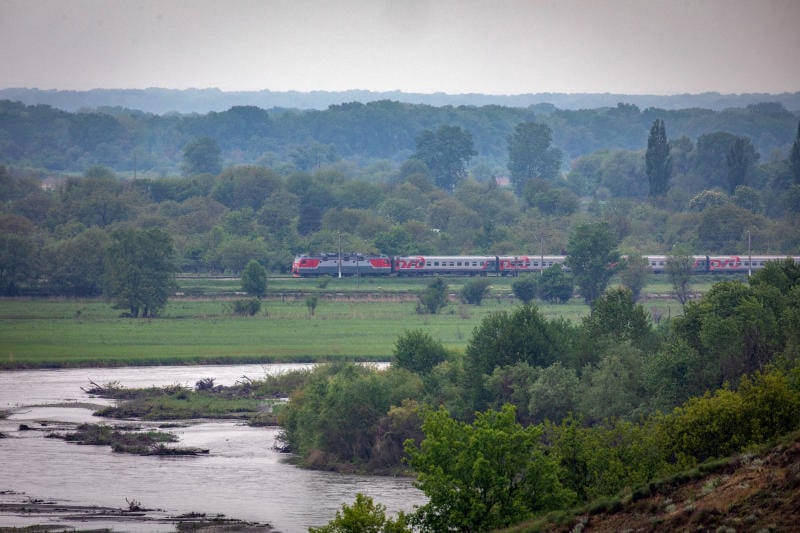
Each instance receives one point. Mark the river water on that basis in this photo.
(242, 477)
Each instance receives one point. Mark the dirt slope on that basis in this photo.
(749, 493)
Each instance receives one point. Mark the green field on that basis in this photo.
(353, 322)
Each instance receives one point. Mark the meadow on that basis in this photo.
(353, 319)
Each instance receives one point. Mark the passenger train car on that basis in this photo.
(351, 264)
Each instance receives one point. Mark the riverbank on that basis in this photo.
(28, 513)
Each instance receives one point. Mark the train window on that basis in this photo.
(458, 264)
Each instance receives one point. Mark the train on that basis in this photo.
(356, 264)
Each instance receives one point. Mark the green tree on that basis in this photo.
(97, 199)
(77, 265)
(554, 393)
(503, 339)
(254, 278)
(474, 291)
(202, 156)
(140, 271)
(418, 352)
(616, 315)
(434, 297)
(794, 157)
(334, 417)
(530, 154)
(592, 257)
(731, 326)
(739, 159)
(19, 257)
(482, 476)
(526, 287)
(313, 156)
(556, 285)
(658, 162)
(364, 516)
(446, 153)
(634, 273)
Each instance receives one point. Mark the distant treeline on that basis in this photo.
(125, 140)
(160, 101)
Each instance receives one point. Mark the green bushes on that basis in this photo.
(334, 418)
(474, 291)
(482, 476)
(726, 421)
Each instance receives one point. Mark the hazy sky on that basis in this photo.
(492, 46)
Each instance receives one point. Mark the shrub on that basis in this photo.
(526, 287)
(248, 307)
(474, 291)
(418, 352)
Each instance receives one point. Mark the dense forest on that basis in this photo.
(253, 184)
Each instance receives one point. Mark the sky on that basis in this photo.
(498, 47)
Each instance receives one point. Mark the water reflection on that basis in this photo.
(242, 477)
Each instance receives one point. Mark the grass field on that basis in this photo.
(350, 322)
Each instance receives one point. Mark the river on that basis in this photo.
(242, 477)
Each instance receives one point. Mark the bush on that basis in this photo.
(556, 285)
(526, 287)
(474, 291)
(418, 352)
(363, 516)
(248, 307)
(434, 297)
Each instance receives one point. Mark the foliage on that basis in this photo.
(592, 257)
(616, 315)
(139, 273)
(658, 162)
(474, 291)
(556, 285)
(311, 304)
(634, 273)
(248, 307)
(254, 278)
(794, 158)
(484, 475)
(553, 394)
(446, 153)
(202, 156)
(526, 287)
(725, 421)
(335, 416)
(418, 352)
(531, 154)
(363, 516)
(505, 339)
(679, 268)
(18, 259)
(732, 327)
(739, 159)
(434, 297)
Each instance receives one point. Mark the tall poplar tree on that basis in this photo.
(658, 161)
(794, 157)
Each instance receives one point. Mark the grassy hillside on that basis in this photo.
(748, 492)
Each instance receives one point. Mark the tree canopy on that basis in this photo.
(658, 162)
(140, 271)
(593, 258)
